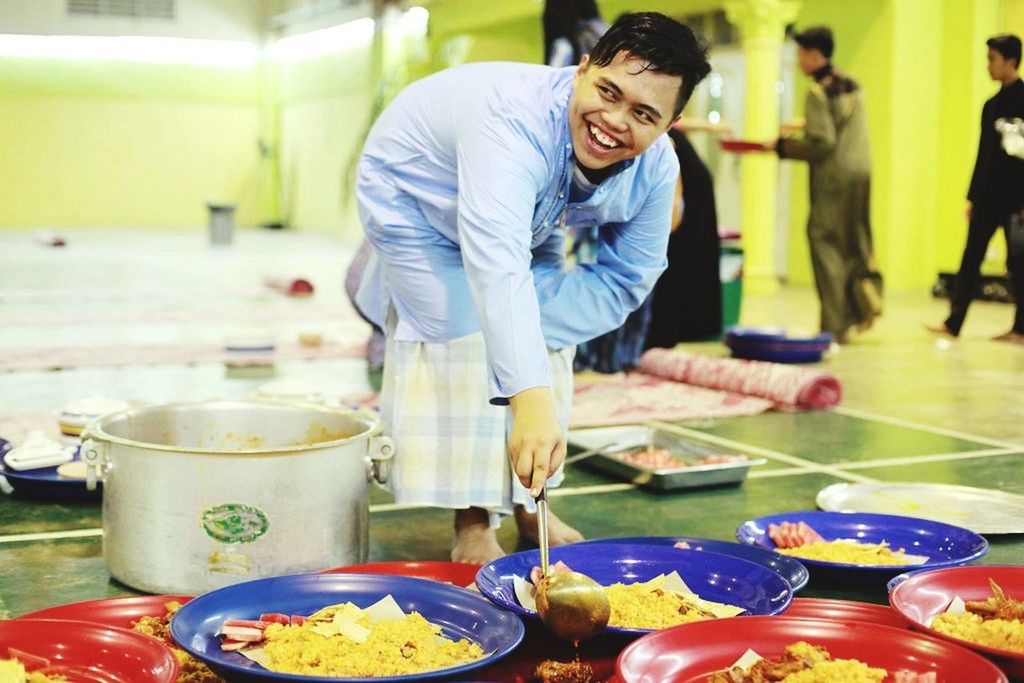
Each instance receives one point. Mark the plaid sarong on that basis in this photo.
(450, 442)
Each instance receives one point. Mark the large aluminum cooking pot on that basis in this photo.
(201, 495)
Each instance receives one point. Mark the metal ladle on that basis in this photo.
(572, 605)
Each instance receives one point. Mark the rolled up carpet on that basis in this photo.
(290, 286)
(785, 384)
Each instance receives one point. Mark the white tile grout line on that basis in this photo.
(899, 422)
(51, 535)
(936, 457)
(607, 488)
(778, 472)
(755, 450)
(802, 467)
(391, 507)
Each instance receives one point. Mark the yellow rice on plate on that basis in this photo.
(1003, 634)
(850, 552)
(649, 605)
(13, 671)
(808, 664)
(838, 671)
(190, 669)
(392, 648)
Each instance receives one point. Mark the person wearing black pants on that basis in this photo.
(982, 227)
(996, 195)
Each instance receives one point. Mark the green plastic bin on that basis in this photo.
(731, 275)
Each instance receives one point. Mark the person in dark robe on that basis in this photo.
(687, 301)
(835, 145)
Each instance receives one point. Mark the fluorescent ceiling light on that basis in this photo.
(230, 54)
(415, 20)
(325, 41)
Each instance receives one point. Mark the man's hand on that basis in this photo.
(536, 445)
(792, 126)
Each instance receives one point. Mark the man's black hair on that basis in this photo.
(817, 38)
(665, 45)
(1007, 44)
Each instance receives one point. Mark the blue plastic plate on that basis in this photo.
(789, 568)
(757, 333)
(713, 576)
(459, 613)
(774, 346)
(945, 545)
(45, 482)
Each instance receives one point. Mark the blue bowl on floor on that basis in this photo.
(460, 614)
(787, 567)
(711, 575)
(943, 544)
(44, 482)
(774, 346)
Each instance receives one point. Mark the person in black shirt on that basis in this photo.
(996, 194)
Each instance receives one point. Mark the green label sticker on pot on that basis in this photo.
(235, 523)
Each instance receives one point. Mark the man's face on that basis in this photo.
(809, 61)
(998, 67)
(618, 111)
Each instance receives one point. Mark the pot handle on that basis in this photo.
(378, 459)
(96, 463)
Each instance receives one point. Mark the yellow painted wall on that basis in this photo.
(115, 144)
(133, 144)
(325, 106)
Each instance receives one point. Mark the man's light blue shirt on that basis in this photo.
(463, 190)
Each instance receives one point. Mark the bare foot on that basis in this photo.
(1011, 336)
(559, 533)
(939, 328)
(475, 541)
(866, 324)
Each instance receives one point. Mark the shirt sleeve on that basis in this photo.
(819, 133)
(592, 299)
(974, 190)
(497, 193)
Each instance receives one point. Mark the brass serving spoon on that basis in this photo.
(572, 605)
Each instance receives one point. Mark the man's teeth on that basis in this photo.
(602, 138)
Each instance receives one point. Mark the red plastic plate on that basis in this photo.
(741, 146)
(692, 652)
(85, 652)
(844, 610)
(116, 612)
(926, 594)
(460, 574)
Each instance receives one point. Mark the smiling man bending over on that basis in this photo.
(465, 186)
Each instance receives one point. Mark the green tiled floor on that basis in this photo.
(831, 438)
(1002, 472)
(25, 515)
(935, 399)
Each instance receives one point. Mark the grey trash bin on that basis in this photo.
(222, 223)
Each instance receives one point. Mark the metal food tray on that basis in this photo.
(610, 440)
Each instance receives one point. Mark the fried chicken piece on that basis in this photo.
(799, 656)
(998, 606)
(550, 671)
